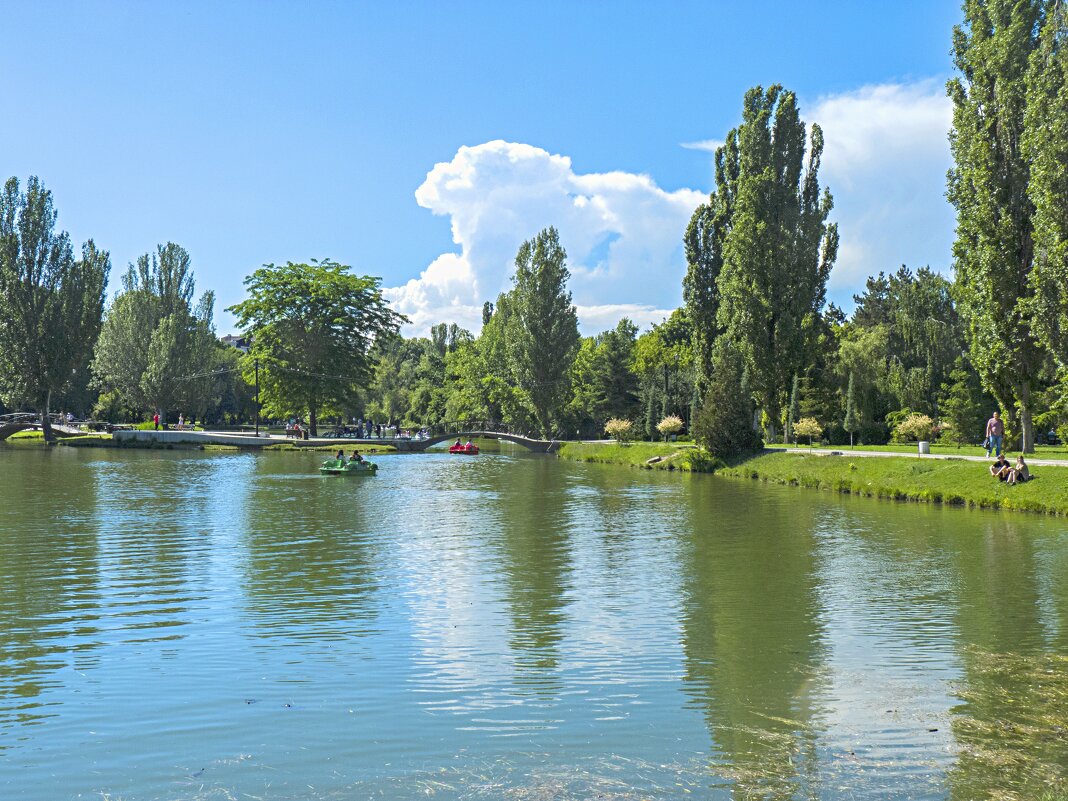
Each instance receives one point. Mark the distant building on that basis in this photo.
(240, 341)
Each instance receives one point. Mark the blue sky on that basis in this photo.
(266, 132)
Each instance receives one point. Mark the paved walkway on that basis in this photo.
(850, 452)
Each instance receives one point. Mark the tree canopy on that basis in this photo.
(313, 327)
(989, 186)
(542, 331)
(156, 350)
(50, 302)
(761, 250)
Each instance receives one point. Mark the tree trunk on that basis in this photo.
(313, 420)
(46, 421)
(1027, 434)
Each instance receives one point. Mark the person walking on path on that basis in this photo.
(155, 421)
(995, 433)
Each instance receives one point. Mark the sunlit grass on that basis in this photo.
(931, 480)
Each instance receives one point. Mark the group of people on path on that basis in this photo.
(157, 421)
(1002, 469)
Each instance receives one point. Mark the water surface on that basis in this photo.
(182, 625)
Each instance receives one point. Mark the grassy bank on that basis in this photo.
(928, 480)
(646, 455)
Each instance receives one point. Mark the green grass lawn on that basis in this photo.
(649, 455)
(928, 480)
(1041, 451)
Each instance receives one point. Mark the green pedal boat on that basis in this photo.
(335, 467)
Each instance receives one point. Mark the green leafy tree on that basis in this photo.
(964, 406)
(543, 326)
(312, 328)
(480, 377)
(779, 249)
(585, 409)
(156, 350)
(851, 423)
(51, 304)
(724, 425)
(663, 360)
(1045, 149)
(919, 336)
(617, 383)
(988, 185)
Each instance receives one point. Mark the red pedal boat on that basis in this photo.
(467, 449)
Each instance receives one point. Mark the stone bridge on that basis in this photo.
(480, 429)
(21, 421)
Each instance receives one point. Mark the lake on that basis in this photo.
(188, 625)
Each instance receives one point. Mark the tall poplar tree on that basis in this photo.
(994, 250)
(50, 303)
(704, 242)
(1045, 148)
(779, 248)
(543, 327)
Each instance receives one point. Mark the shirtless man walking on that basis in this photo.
(995, 433)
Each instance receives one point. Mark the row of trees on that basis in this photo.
(154, 348)
(754, 350)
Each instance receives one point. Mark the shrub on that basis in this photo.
(835, 434)
(619, 430)
(808, 427)
(669, 425)
(701, 461)
(914, 427)
(874, 434)
(724, 425)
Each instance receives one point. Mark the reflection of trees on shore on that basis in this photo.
(1012, 727)
(752, 638)
(49, 571)
(535, 548)
(311, 559)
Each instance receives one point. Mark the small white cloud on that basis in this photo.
(708, 145)
(594, 319)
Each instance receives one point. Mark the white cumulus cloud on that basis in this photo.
(622, 233)
(885, 160)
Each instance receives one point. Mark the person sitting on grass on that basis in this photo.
(1001, 468)
(1019, 473)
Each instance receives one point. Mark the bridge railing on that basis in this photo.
(488, 426)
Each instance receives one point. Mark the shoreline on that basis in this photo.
(946, 481)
